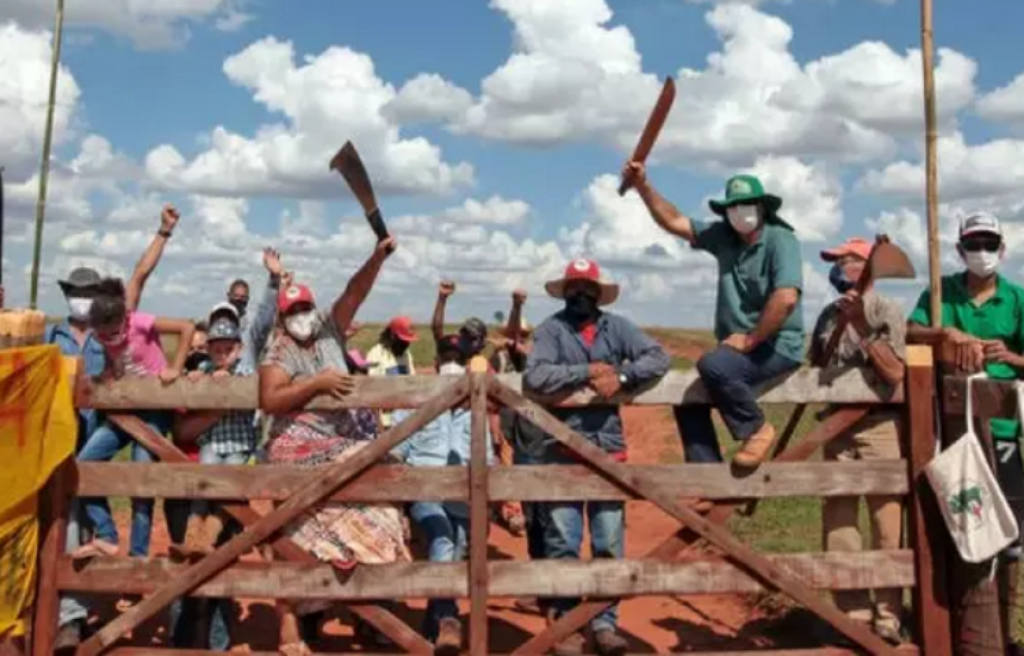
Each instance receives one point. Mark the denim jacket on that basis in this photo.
(560, 363)
(94, 362)
(444, 441)
(256, 330)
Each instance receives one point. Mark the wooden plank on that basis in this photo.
(832, 427)
(807, 385)
(479, 521)
(992, 398)
(516, 483)
(904, 650)
(54, 528)
(754, 563)
(684, 541)
(316, 490)
(926, 526)
(380, 618)
(702, 575)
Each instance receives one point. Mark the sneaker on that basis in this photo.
(449, 638)
(608, 642)
(69, 636)
(757, 448)
(571, 646)
(889, 631)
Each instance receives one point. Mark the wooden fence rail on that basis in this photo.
(677, 567)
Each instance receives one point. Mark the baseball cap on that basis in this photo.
(852, 246)
(293, 295)
(473, 328)
(401, 328)
(980, 223)
(223, 329)
(222, 309)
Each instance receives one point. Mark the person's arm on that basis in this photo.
(544, 375)
(444, 291)
(780, 305)
(280, 394)
(183, 329)
(345, 308)
(190, 426)
(883, 345)
(785, 271)
(647, 359)
(147, 263)
(665, 214)
(263, 323)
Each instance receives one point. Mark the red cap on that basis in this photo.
(290, 296)
(401, 327)
(852, 246)
(583, 269)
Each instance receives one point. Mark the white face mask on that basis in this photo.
(302, 326)
(78, 308)
(451, 369)
(744, 219)
(982, 263)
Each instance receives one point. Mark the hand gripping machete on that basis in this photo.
(654, 123)
(348, 163)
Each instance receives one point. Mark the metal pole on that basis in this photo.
(44, 166)
(931, 163)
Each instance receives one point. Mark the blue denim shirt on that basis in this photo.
(94, 361)
(256, 330)
(444, 441)
(560, 363)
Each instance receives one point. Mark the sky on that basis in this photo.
(494, 133)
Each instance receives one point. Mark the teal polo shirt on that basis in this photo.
(748, 274)
(1000, 317)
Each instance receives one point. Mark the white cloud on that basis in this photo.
(327, 99)
(1005, 104)
(906, 228)
(428, 97)
(966, 172)
(149, 24)
(494, 211)
(24, 90)
(571, 70)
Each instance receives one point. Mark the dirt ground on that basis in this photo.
(651, 624)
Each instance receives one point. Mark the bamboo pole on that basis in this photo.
(931, 163)
(44, 166)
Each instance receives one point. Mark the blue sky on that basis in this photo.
(491, 130)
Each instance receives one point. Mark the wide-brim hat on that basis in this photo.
(80, 278)
(588, 270)
(744, 189)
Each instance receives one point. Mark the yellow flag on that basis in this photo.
(38, 431)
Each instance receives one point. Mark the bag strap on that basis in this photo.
(969, 405)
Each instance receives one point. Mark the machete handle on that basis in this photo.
(376, 220)
(624, 186)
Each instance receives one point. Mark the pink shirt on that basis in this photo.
(144, 354)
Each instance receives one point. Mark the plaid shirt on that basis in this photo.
(236, 431)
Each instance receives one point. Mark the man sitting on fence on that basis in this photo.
(579, 347)
(983, 325)
(875, 337)
(758, 315)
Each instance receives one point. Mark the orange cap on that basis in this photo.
(401, 327)
(852, 246)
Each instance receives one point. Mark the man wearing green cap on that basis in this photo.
(758, 314)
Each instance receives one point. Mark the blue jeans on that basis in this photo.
(563, 536)
(102, 446)
(186, 613)
(447, 540)
(729, 377)
(72, 608)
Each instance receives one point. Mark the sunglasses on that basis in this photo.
(975, 245)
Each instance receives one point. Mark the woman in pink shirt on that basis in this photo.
(131, 342)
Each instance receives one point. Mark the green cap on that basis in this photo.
(744, 189)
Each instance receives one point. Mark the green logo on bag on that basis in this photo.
(969, 501)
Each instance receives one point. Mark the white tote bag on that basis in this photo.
(977, 515)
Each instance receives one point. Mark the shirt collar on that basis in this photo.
(1003, 292)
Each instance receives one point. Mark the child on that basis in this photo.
(131, 345)
(224, 437)
(445, 441)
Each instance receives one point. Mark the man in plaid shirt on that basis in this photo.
(224, 437)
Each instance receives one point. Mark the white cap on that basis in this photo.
(980, 223)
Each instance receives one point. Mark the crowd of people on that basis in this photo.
(301, 349)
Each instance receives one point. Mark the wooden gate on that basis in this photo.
(704, 557)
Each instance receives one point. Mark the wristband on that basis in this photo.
(166, 234)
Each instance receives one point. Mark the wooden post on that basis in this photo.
(478, 515)
(931, 598)
(54, 529)
(931, 163)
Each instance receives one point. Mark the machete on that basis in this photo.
(348, 163)
(654, 123)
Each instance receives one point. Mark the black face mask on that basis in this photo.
(194, 360)
(240, 305)
(398, 347)
(581, 307)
